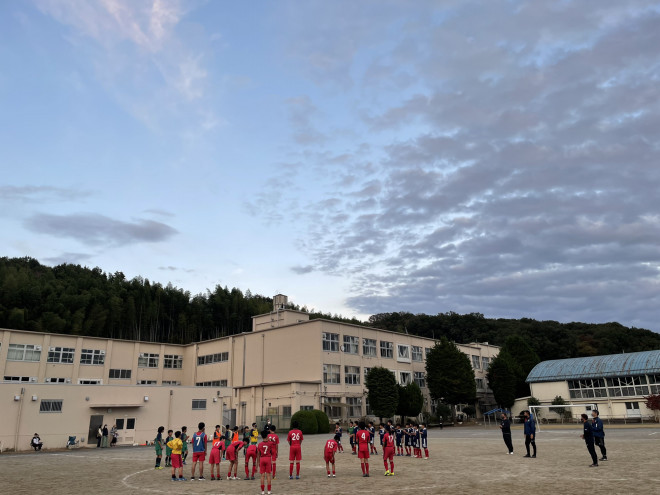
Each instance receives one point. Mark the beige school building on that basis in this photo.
(62, 385)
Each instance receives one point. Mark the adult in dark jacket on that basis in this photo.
(599, 433)
(530, 432)
(588, 436)
(505, 426)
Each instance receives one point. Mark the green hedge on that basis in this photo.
(307, 422)
(322, 420)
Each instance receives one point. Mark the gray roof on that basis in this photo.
(633, 363)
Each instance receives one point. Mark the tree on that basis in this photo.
(411, 400)
(382, 392)
(533, 401)
(502, 380)
(322, 421)
(307, 422)
(522, 359)
(653, 403)
(559, 401)
(449, 374)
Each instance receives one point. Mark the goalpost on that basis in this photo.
(585, 408)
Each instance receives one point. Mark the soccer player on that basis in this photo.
(505, 426)
(363, 438)
(295, 439)
(338, 433)
(176, 445)
(408, 438)
(418, 443)
(250, 453)
(227, 437)
(272, 436)
(329, 455)
(351, 436)
(399, 438)
(216, 456)
(254, 439)
(423, 441)
(158, 445)
(588, 436)
(199, 440)
(599, 433)
(264, 454)
(231, 455)
(184, 441)
(247, 434)
(529, 428)
(168, 451)
(217, 433)
(381, 433)
(388, 450)
(372, 435)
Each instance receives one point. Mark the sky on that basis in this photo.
(499, 157)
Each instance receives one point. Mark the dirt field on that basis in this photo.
(463, 461)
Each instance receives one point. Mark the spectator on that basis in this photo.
(104, 432)
(99, 436)
(114, 434)
(36, 442)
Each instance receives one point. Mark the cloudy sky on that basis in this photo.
(500, 157)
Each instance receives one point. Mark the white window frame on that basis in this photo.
(476, 362)
(96, 357)
(21, 379)
(420, 379)
(485, 363)
(386, 349)
(124, 374)
(172, 361)
(405, 377)
(32, 350)
(212, 383)
(416, 353)
(147, 382)
(352, 375)
(330, 342)
(90, 381)
(61, 355)
(354, 407)
(403, 353)
(170, 383)
(218, 357)
(199, 404)
(351, 344)
(327, 374)
(370, 347)
(148, 360)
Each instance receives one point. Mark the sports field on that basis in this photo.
(469, 460)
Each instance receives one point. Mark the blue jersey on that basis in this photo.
(338, 432)
(372, 432)
(422, 434)
(381, 433)
(399, 435)
(199, 442)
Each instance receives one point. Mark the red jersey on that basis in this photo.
(218, 444)
(295, 438)
(363, 438)
(388, 441)
(265, 449)
(272, 437)
(231, 450)
(330, 447)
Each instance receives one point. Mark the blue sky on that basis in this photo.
(500, 157)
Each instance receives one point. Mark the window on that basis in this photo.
(366, 372)
(213, 383)
(332, 407)
(198, 404)
(480, 383)
(369, 347)
(219, 357)
(367, 406)
(485, 363)
(50, 406)
(354, 407)
(352, 375)
(475, 362)
(386, 349)
(119, 422)
(405, 377)
(90, 381)
(62, 355)
(331, 374)
(147, 382)
(24, 352)
(130, 423)
(20, 378)
(306, 408)
(351, 344)
(286, 411)
(170, 361)
(170, 382)
(654, 380)
(330, 342)
(58, 380)
(147, 360)
(417, 353)
(92, 356)
(120, 374)
(403, 353)
(420, 379)
(427, 351)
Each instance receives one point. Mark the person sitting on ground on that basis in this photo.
(36, 442)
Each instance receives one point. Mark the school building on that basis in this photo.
(615, 384)
(61, 385)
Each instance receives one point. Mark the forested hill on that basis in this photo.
(550, 339)
(83, 301)
(78, 300)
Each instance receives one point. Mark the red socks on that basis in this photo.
(291, 469)
(297, 469)
(274, 468)
(391, 466)
(247, 471)
(366, 466)
(362, 466)
(385, 462)
(426, 451)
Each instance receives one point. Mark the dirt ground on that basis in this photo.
(470, 460)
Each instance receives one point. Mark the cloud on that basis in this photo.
(96, 230)
(171, 268)
(40, 193)
(516, 174)
(73, 258)
(302, 270)
(301, 114)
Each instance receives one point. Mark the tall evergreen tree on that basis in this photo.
(411, 400)
(382, 392)
(449, 374)
(502, 380)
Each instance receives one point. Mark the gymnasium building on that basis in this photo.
(615, 384)
(66, 385)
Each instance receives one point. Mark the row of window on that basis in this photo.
(480, 362)
(332, 407)
(219, 357)
(115, 374)
(352, 376)
(351, 345)
(213, 383)
(66, 355)
(55, 406)
(620, 386)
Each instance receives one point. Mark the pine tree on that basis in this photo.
(382, 392)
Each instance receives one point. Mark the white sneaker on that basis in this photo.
(328, 476)
(333, 475)
(262, 492)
